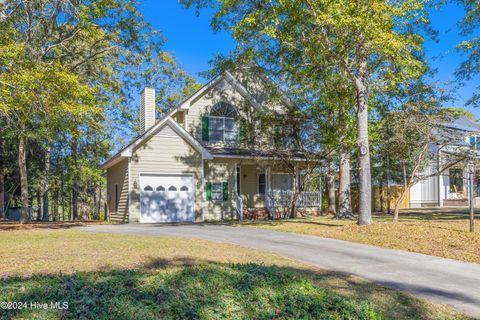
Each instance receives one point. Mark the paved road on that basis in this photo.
(442, 280)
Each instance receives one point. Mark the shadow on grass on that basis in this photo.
(190, 289)
(15, 225)
(289, 221)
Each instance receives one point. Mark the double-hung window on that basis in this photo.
(261, 183)
(223, 123)
(217, 191)
(223, 129)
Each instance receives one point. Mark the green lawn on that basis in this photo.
(136, 277)
(439, 232)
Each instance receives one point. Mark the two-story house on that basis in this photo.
(450, 188)
(191, 164)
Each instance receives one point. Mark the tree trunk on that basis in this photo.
(365, 187)
(75, 180)
(2, 194)
(62, 197)
(75, 201)
(94, 207)
(296, 194)
(331, 188)
(2, 180)
(46, 184)
(344, 207)
(55, 206)
(99, 206)
(39, 204)
(389, 195)
(396, 211)
(406, 188)
(22, 166)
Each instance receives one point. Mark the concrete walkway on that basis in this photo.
(441, 280)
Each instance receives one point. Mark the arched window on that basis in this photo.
(148, 188)
(172, 188)
(160, 188)
(223, 125)
(184, 188)
(223, 109)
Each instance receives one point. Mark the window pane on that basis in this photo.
(231, 136)
(261, 183)
(230, 125)
(456, 180)
(216, 136)
(216, 123)
(217, 194)
(282, 182)
(216, 129)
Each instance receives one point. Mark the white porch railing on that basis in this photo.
(282, 198)
(239, 206)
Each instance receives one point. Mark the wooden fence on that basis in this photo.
(395, 192)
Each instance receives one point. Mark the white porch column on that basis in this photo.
(268, 190)
(320, 195)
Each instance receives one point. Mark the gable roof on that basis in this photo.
(465, 124)
(230, 79)
(127, 151)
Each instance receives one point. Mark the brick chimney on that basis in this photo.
(147, 109)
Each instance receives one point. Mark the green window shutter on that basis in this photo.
(208, 191)
(242, 131)
(205, 128)
(225, 191)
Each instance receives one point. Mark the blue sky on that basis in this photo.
(194, 44)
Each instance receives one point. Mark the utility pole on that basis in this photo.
(471, 171)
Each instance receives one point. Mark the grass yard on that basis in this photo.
(134, 277)
(439, 232)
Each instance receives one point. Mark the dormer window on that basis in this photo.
(222, 124)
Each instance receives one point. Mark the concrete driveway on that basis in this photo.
(441, 280)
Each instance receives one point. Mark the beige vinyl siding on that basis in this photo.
(265, 92)
(118, 175)
(179, 117)
(223, 91)
(202, 106)
(249, 186)
(166, 153)
(221, 170)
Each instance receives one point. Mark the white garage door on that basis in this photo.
(166, 198)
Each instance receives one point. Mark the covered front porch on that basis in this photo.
(269, 188)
